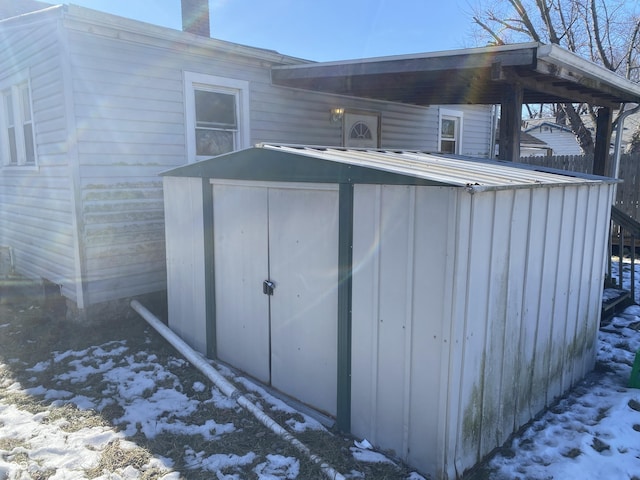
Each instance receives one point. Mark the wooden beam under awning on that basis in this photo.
(510, 122)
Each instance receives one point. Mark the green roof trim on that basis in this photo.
(263, 164)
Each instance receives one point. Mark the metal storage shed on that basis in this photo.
(431, 304)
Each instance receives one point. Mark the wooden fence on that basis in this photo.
(628, 192)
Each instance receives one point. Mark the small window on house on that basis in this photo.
(360, 131)
(217, 112)
(17, 133)
(216, 123)
(450, 131)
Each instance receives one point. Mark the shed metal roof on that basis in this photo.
(351, 165)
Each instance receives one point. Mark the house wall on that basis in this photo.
(532, 263)
(471, 313)
(36, 214)
(562, 141)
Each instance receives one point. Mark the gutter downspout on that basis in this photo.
(230, 390)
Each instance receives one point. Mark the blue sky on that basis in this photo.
(321, 30)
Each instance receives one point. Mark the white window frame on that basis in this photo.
(15, 83)
(457, 115)
(201, 81)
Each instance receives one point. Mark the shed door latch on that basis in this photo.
(267, 287)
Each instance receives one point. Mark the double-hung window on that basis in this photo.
(450, 133)
(17, 140)
(217, 111)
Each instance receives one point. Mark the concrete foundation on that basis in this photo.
(18, 290)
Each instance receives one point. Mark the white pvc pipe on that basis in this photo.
(230, 390)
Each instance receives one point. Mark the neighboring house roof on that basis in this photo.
(560, 139)
(528, 140)
(631, 125)
(13, 8)
(537, 124)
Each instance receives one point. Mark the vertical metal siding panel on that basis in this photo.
(408, 322)
(527, 224)
(545, 337)
(394, 230)
(535, 314)
(497, 281)
(589, 216)
(514, 377)
(602, 214)
(452, 424)
(430, 324)
(365, 310)
(185, 259)
(575, 311)
(475, 328)
(563, 270)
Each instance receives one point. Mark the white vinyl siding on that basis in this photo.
(36, 191)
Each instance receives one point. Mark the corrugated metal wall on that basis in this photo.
(403, 242)
(471, 313)
(185, 259)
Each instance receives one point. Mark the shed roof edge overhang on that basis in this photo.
(547, 73)
(303, 164)
(262, 164)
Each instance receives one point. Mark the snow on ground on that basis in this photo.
(150, 400)
(593, 433)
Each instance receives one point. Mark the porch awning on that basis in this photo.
(547, 73)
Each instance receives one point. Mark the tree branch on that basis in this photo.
(596, 33)
(486, 28)
(522, 12)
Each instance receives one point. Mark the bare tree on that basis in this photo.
(607, 32)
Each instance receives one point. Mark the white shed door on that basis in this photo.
(288, 236)
(241, 263)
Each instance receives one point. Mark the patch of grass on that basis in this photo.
(24, 402)
(74, 419)
(602, 414)
(8, 444)
(599, 446)
(34, 335)
(623, 346)
(115, 457)
(634, 405)
(572, 453)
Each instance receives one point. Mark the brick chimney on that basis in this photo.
(195, 17)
